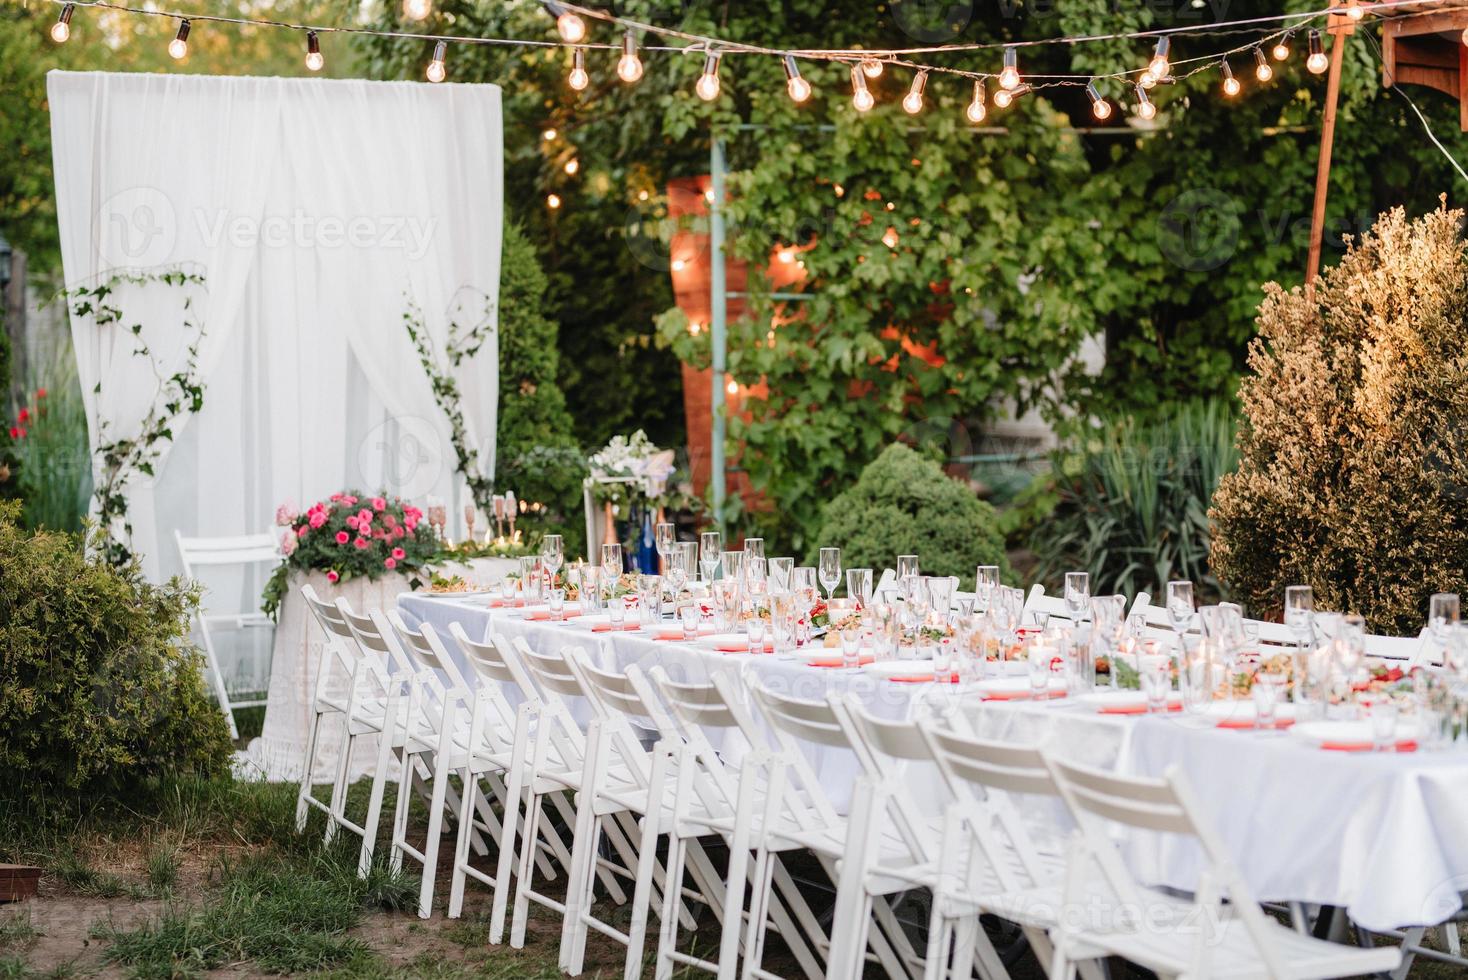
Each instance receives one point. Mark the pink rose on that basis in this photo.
(379, 503)
(288, 542)
(317, 518)
(411, 522)
(390, 563)
(342, 537)
(349, 500)
(399, 554)
(301, 531)
(332, 576)
(360, 543)
(285, 514)
(398, 531)
(364, 516)
(352, 522)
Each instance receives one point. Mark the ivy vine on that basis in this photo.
(462, 343)
(178, 393)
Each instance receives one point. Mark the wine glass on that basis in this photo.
(986, 580)
(907, 566)
(780, 569)
(611, 562)
(732, 563)
(859, 585)
(676, 571)
(1077, 594)
(710, 546)
(830, 570)
(469, 514)
(754, 547)
(1442, 613)
(1180, 607)
(1299, 612)
(940, 596)
(663, 538)
(552, 554)
(688, 551)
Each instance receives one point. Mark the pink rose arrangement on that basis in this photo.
(349, 535)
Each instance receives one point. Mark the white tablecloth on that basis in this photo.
(1384, 836)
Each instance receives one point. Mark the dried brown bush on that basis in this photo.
(1353, 474)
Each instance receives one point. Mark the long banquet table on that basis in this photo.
(1384, 836)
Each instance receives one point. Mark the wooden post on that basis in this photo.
(1340, 28)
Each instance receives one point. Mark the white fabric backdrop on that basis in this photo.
(317, 209)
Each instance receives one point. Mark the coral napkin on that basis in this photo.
(1247, 724)
(1136, 709)
(608, 627)
(922, 679)
(835, 661)
(678, 634)
(543, 615)
(733, 647)
(1406, 745)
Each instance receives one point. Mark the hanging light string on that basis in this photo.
(870, 60)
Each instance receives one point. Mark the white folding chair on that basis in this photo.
(243, 550)
(1221, 931)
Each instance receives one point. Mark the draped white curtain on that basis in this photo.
(317, 210)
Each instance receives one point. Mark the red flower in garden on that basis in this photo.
(24, 416)
(390, 563)
(40, 392)
(352, 522)
(342, 537)
(360, 543)
(379, 503)
(398, 553)
(398, 531)
(16, 432)
(364, 517)
(332, 576)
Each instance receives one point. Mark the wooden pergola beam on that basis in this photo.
(1340, 27)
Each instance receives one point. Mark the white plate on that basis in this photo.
(1013, 685)
(1119, 701)
(1244, 711)
(1346, 732)
(897, 668)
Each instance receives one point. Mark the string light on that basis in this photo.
(708, 83)
(578, 79)
(872, 68)
(1100, 108)
(1282, 47)
(1262, 71)
(570, 25)
(1318, 62)
(436, 70)
(1230, 84)
(552, 201)
(912, 102)
(861, 96)
(1355, 11)
(798, 87)
(1005, 96)
(61, 30)
(314, 60)
(548, 135)
(629, 66)
(1159, 65)
(179, 46)
(1145, 108)
(976, 111)
(1009, 75)
(417, 9)
(572, 166)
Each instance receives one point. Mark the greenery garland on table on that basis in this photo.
(180, 392)
(461, 344)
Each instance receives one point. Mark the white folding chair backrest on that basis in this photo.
(692, 708)
(375, 641)
(1417, 650)
(426, 653)
(793, 721)
(338, 634)
(883, 750)
(496, 662)
(1038, 604)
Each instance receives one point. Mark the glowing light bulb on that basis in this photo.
(708, 83)
(61, 30)
(871, 68)
(1100, 108)
(1231, 85)
(572, 166)
(889, 237)
(797, 86)
(913, 100)
(1147, 79)
(629, 66)
(1262, 71)
(1145, 108)
(976, 111)
(314, 60)
(1318, 62)
(436, 70)
(1004, 98)
(552, 201)
(578, 79)
(548, 135)
(1159, 64)
(570, 25)
(1281, 48)
(417, 9)
(1354, 11)
(861, 96)
(732, 387)
(179, 46)
(1009, 75)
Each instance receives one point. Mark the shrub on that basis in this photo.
(904, 504)
(1354, 457)
(1132, 502)
(98, 687)
(536, 453)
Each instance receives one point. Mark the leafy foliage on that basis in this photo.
(1354, 461)
(1132, 501)
(99, 689)
(904, 504)
(50, 447)
(536, 452)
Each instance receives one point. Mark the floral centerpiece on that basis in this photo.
(631, 470)
(349, 535)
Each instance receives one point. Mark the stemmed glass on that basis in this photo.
(677, 570)
(1299, 612)
(687, 553)
(940, 595)
(611, 563)
(732, 566)
(780, 569)
(986, 580)
(907, 567)
(803, 584)
(469, 515)
(859, 585)
(754, 547)
(664, 537)
(1077, 594)
(1180, 608)
(552, 555)
(830, 570)
(1442, 614)
(710, 546)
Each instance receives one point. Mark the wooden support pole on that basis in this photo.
(1340, 28)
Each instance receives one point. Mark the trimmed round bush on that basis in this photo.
(100, 689)
(904, 504)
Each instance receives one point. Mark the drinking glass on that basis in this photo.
(726, 605)
(986, 580)
(1156, 676)
(851, 646)
(907, 567)
(532, 577)
(1442, 613)
(617, 609)
(779, 572)
(916, 602)
(1038, 656)
(650, 599)
(859, 586)
(675, 571)
(710, 547)
(756, 575)
(754, 547)
(1267, 692)
(1180, 608)
(756, 630)
(940, 597)
(556, 599)
(665, 535)
(611, 559)
(590, 588)
(508, 586)
(688, 616)
(1384, 725)
(552, 554)
(1106, 612)
(1455, 654)
(687, 552)
(1195, 676)
(830, 570)
(943, 660)
(1299, 612)
(732, 563)
(1077, 594)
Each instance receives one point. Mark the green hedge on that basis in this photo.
(99, 687)
(904, 504)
